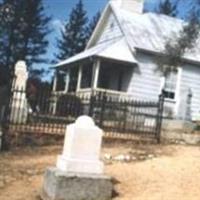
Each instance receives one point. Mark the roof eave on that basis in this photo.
(156, 53)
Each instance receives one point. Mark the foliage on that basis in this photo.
(74, 37)
(25, 27)
(77, 32)
(92, 25)
(168, 7)
(177, 46)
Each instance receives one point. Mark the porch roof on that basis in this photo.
(113, 50)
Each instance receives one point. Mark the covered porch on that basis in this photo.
(101, 68)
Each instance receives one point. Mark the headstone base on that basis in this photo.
(59, 185)
(77, 165)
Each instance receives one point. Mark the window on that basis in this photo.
(170, 85)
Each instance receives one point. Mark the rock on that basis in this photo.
(62, 185)
(107, 156)
(127, 158)
(119, 158)
(31, 172)
(182, 143)
(133, 158)
(150, 156)
(142, 157)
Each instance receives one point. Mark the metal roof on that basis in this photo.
(112, 49)
(151, 31)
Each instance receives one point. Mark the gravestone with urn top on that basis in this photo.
(78, 174)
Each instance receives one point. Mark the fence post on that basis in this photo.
(125, 115)
(159, 116)
(4, 121)
(91, 104)
(103, 105)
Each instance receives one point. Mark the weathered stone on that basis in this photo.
(142, 157)
(150, 156)
(127, 158)
(107, 156)
(31, 172)
(59, 185)
(120, 157)
(133, 158)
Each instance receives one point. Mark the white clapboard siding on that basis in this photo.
(110, 31)
(191, 80)
(145, 82)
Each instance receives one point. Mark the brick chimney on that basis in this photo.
(130, 5)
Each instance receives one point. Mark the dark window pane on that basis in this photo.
(86, 80)
(61, 78)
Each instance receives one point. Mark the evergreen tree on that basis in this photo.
(168, 7)
(74, 37)
(92, 24)
(24, 33)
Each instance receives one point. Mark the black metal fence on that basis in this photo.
(49, 112)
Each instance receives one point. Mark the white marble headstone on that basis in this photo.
(82, 147)
(21, 74)
(19, 108)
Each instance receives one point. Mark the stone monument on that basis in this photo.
(19, 102)
(78, 174)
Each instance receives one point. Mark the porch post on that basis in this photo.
(79, 78)
(67, 80)
(55, 81)
(96, 68)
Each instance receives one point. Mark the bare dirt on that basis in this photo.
(173, 173)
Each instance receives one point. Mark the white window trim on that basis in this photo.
(178, 89)
(178, 85)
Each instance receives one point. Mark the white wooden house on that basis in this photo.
(120, 58)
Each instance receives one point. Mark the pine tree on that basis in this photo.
(92, 25)
(168, 7)
(74, 37)
(24, 34)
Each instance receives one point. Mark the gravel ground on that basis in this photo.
(152, 172)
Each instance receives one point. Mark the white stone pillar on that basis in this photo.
(82, 147)
(95, 74)
(19, 107)
(79, 78)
